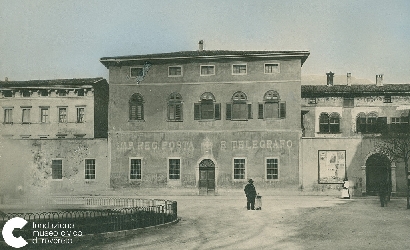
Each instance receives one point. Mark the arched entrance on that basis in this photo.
(206, 177)
(378, 169)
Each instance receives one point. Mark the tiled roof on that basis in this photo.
(54, 82)
(354, 90)
(206, 54)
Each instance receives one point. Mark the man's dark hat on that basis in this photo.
(250, 181)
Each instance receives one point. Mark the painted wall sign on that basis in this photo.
(332, 166)
(256, 144)
(154, 145)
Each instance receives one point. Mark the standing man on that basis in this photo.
(383, 190)
(250, 192)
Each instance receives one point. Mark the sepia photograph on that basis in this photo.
(230, 124)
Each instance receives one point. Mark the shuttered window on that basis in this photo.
(272, 107)
(175, 107)
(207, 109)
(239, 109)
(136, 108)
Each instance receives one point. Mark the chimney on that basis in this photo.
(349, 79)
(6, 79)
(201, 45)
(379, 80)
(330, 78)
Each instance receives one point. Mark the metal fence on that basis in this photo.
(88, 219)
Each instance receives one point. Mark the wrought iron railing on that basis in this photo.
(93, 216)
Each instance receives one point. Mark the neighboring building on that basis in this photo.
(53, 135)
(205, 119)
(341, 124)
(47, 109)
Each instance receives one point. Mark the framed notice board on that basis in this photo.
(332, 166)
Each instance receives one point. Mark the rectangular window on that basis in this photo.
(26, 93)
(90, 169)
(44, 115)
(207, 70)
(174, 169)
(239, 169)
(43, 92)
(387, 99)
(136, 71)
(25, 115)
(80, 92)
(57, 169)
(399, 124)
(135, 169)
(62, 115)
(272, 167)
(272, 68)
(174, 71)
(8, 116)
(239, 69)
(312, 101)
(7, 93)
(62, 93)
(80, 115)
(348, 102)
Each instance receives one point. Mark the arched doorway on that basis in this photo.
(378, 169)
(206, 177)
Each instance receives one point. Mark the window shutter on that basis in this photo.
(282, 110)
(140, 112)
(250, 111)
(197, 111)
(178, 112)
(381, 125)
(228, 111)
(217, 111)
(133, 112)
(260, 111)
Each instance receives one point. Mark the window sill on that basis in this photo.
(239, 180)
(26, 123)
(57, 179)
(8, 123)
(136, 121)
(207, 120)
(328, 133)
(175, 120)
(272, 119)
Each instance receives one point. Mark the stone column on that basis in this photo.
(364, 180)
(393, 179)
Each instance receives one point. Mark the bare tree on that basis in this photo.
(397, 146)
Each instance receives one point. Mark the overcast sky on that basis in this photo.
(47, 39)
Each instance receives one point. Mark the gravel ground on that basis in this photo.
(292, 222)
